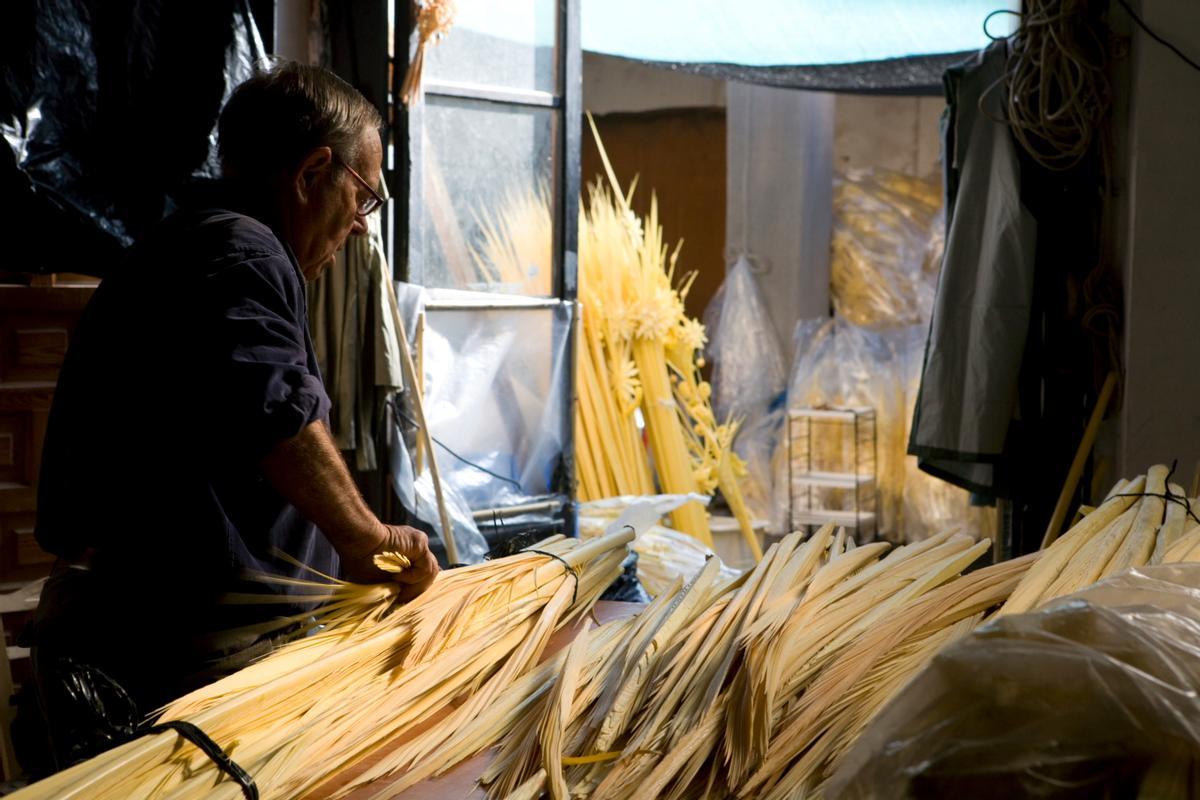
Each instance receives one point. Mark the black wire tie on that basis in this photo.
(213, 750)
(570, 570)
(1167, 494)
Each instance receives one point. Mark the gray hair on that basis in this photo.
(273, 120)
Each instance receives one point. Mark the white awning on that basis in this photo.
(759, 33)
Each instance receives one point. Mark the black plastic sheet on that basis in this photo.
(911, 75)
(107, 107)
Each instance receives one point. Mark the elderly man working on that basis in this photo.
(187, 447)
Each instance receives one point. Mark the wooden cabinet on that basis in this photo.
(35, 327)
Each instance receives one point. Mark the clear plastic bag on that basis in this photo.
(664, 554)
(417, 494)
(842, 365)
(1095, 695)
(748, 373)
(878, 270)
(749, 379)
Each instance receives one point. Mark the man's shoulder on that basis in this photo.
(204, 243)
(220, 232)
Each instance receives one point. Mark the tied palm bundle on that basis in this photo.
(636, 350)
(750, 687)
(641, 349)
(322, 708)
(626, 286)
(611, 460)
(1135, 525)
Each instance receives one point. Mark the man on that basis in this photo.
(187, 447)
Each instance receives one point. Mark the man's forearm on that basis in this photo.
(310, 473)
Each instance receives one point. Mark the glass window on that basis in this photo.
(484, 219)
(502, 43)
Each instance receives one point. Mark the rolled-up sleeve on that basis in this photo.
(266, 384)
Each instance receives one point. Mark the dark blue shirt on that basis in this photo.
(189, 364)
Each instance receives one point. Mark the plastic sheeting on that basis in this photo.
(663, 554)
(1095, 695)
(749, 380)
(496, 383)
(418, 495)
(885, 257)
(495, 400)
(886, 248)
(105, 110)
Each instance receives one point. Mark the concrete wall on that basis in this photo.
(780, 199)
(1158, 128)
(895, 133)
(616, 85)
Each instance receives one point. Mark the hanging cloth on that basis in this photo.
(350, 317)
(981, 313)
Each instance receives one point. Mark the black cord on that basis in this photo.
(1133, 15)
(1167, 494)
(988, 19)
(466, 461)
(570, 570)
(213, 750)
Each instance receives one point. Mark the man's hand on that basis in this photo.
(408, 542)
(309, 471)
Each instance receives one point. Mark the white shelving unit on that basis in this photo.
(832, 469)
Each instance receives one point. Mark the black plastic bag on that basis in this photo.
(107, 107)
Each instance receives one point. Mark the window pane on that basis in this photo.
(483, 219)
(507, 43)
(495, 394)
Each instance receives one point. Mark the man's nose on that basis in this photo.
(359, 228)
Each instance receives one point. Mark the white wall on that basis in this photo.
(779, 198)
(1160, 192)
(613, 84)
(895, 133)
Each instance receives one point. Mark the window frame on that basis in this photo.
(404, 171)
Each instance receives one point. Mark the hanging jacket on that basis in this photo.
(981, 313)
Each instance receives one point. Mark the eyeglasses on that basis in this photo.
(368, 206)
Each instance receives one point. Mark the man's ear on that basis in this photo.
(314, 168)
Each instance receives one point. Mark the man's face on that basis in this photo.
(328, 216)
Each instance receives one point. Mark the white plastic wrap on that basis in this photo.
(844, 365)
(495, 385)
(749, 379)
(1095, 695)
(664, 554)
